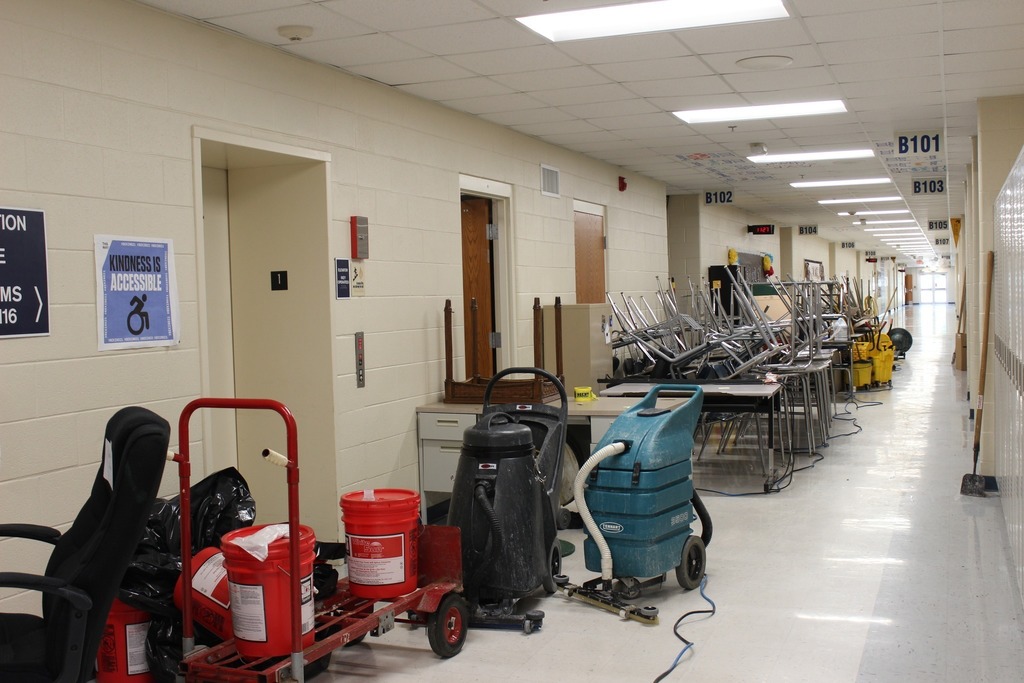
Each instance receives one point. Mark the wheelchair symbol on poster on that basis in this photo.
(141, 316)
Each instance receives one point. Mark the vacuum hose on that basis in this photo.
(480, 494)
(705, 519)
(592, 462)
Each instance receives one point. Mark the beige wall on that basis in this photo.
(701, 236)
(97, 128)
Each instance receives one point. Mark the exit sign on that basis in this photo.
(808, 229)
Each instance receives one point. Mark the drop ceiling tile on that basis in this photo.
(894, 87)
(760, 35)
(548, 79)
(204, 9)
(616, 108)
(845, 51)
(262, 26)
(593, 137)
(981, 13)
(413, 71)
(779, 82)
(514, 8)
(1007, 37)
(656, 120)
(527, 116)
(584, 95)
(796, 94)
(651, 69)
(456, 90)
(983, 61)
(555, 128)
(376, 48)
(462, 38)
(882, 69)
(813, 8)
(495, 103)
(686, 102)
(618, 49)
(667, 87)
(514, 60)
(987, 79)
(398, 15)
(896, 22)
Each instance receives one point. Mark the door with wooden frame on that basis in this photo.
(478, 283)
(589, 240)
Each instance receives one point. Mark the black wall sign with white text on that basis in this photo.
(24, 295)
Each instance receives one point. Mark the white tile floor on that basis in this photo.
(870, 567)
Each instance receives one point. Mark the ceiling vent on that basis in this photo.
(549, 181)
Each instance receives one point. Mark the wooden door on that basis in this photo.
(908, 286)
(589, 231)
(478, 283)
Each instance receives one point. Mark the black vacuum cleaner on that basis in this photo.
(505, 501)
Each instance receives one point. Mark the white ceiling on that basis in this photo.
(901, 66)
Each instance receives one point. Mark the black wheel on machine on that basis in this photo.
(446, 628)
(554, 567)
(691, 567)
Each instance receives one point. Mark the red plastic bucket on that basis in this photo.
(121, 657)
(260, 591)
(381, 530)
(211, 599)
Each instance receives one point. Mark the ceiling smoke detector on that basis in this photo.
(295, 32)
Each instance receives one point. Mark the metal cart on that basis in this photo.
(340, 619)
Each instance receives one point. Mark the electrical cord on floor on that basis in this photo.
(675, 629)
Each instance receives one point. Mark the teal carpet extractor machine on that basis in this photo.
(636, 497)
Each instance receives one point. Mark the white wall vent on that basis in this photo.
(549, 181)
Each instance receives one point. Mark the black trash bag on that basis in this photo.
(220, 503)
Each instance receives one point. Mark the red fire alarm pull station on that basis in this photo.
(360, 237)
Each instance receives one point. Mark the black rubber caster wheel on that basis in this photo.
(691, 567)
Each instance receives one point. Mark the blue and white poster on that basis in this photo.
(137, 296)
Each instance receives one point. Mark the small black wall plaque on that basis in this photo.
(278, 279)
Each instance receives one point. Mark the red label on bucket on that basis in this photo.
(376, 560)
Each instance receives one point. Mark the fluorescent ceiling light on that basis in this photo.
(648, 17)
(873, 213)
(908, 220)
(837, 183)
(885, 231)
(860, 200)
(811, 156)
(762, 111)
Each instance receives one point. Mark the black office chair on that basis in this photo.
(88, 560)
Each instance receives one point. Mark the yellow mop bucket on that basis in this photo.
(862, 373)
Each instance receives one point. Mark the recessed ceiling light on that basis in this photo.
(860, 200)
(884, 230)
(811, 156)
(649, 17)
(764, 62)
(873, 213)
(762, 111)
(908, 220)
(837, 183)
